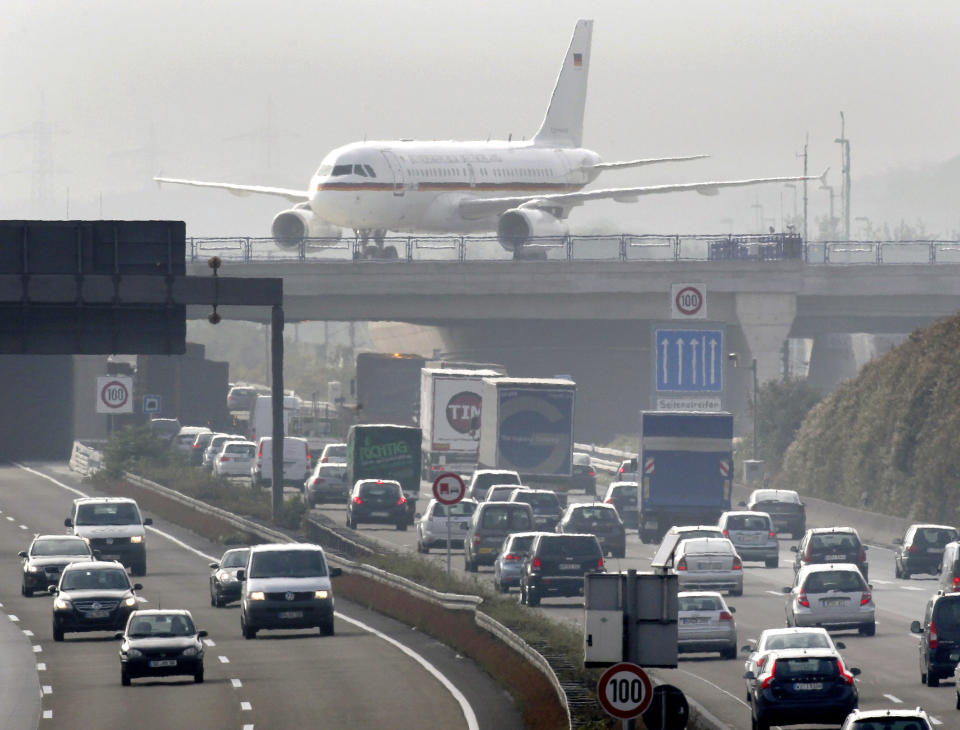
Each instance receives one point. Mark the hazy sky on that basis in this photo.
(99, 96)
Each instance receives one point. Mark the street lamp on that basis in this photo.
(734, 358)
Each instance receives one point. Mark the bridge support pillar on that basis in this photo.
(766, 320)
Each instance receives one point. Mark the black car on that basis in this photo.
(224, 586)
(921, 549)
(624, 496)
(47, 556)
(600, 520)
(584, 475)
(556, 566)
(939, 637)
(93, 596)
(831, 545)
(786, 510)
(802, 687)
(160, 643)
(377, 500)
(545, 505)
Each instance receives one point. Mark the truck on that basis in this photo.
(527, 426)
(261, 415)
(386, 451)
(450, 407)
(685, 468)
(388, 388)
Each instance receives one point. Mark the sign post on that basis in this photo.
(448, 489)
(625, 692)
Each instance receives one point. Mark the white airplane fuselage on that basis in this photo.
(417, 186)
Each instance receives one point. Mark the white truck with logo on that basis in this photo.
(450, 419)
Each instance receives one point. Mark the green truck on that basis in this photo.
(377, 451)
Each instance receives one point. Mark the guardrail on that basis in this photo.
(619, 247)
(604, 459)
(85, 458)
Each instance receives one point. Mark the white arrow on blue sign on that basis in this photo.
(689, 360)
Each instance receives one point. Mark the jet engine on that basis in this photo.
(517, 226)
(290, 227)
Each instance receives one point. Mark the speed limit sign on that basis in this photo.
(625, 691)
(688, 301)
(114, 394)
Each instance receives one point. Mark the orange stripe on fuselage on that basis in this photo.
(451, 186)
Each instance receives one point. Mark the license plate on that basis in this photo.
(835, 557)
(379, 514)
(291, 614)
(955, 657)
(97, 614)
(708, 566)
(569, 566)
(485, 551)
(163, 663)
(832, 601)
(807, 686)
(934, 550)
(750, 539)
(694, 620)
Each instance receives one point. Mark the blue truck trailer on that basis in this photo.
(686, 469)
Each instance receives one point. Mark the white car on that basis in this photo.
(753, 536)
(432, 525)
(216, 446)
(708, 563)
(334, 454)
(915, 719)
(834, 596)
(234, 459)
(812, 637)
(705, 623)
(502, 492)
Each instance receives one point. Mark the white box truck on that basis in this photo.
(261, 417)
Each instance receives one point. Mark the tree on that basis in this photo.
(781, 407)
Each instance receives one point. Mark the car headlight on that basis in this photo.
(224, 577)
(256, 595)
(61, 603)
(322, 595)
(190, 651)
(136, 539)
(131, 601)
(134, 653)
(32, 569)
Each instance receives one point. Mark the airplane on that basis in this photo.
(522, 190)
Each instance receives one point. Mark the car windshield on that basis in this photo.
(338, 452)
(844, 581)
(80, 580)
(520, 544)
(700, 603)
(123, 513)
(581, 459)
(947, 612)
(569, 545)
(799, 667)
(540, 501)
(834, 541)
(59, 546)
(748, 522)
(202, 440)
(485, 481)
(592, 516)
(379, 490)
(889, 723)
(506, 518)
(161, 625)
(287, 564)
(234, 559)
(694, 534)
(241, 449)
(332, 471)
(773, 495)
(934, 536)
(796, 641)
(460, 509)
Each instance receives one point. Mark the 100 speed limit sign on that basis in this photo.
(688, 301)
(625, 691)
(114, 394)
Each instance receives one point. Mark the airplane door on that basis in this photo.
(396, 167)
(471, 175)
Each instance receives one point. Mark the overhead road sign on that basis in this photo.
(689, 360)
(625, 691)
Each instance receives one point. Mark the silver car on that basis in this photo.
(508, 567)
(753, 536)
(775, 639)
(432, 525)
(708, 563)
(502, 492)
(705, 623)
(834, 596)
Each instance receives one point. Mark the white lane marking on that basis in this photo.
(719, 689)
(14, 618)
(237, 684)
(246, 706)
(223, 659)
(881, 582)
(894, 699)
(934, 720)
(48, 714)
(209, 642)
(47, 689)
(27, 632)
(41, 667)
(465, 707)
(37, 648)
(9, 518)
(910, 588)
(779, 594)
(23, 527)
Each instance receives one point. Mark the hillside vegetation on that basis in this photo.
(887, 440)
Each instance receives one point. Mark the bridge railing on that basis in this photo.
(623, 247)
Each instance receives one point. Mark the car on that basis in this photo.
(296, 462)
(92, 596)
(440, 520)
(834, 596)
(939, 644)
(600, 520)
(160, 643)
(501, 492)
(508, 566)
(327, 483)
(286, 586)
(489, 526)
(200, 444)
(114, 528)
(753, 536)
(627, 470)
(377, 500)
(183, 441)
(483, 479)
(830, 545)
(584, 476)
(234, 459)
(788, 513)
(892, 719)
(705, 623)
(949, 578)
(802, 687)
(45, 559)
(920, 550)
(241, 397)
(334, 454)
(215, 446)
(164, 429)
(224, 586)
(808, 637)
(691, 532)
(546, 506)
(556, 566)
(708, 563)
(624, 496)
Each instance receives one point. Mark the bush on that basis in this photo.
(133, 445)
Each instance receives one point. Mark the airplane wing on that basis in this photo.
(295, 196)
(640, 163)
(473, 208)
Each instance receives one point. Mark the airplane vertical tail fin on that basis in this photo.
(563, 123)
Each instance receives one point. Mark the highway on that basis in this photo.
(356, 678)
(891, 677)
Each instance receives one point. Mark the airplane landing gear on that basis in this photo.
(376, 250)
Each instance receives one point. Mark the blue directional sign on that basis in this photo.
(689, 360)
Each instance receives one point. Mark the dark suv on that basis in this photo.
(584, 475)
(624, 497)
(939, 637)
(921, 549)
(93, 596)
(377, 500)
(600, 520)
(802, 686)
(831, 545)
(784, 507)
(545, 504)
(556, 566)
(489, 526)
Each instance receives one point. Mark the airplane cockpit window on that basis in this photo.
(342, 170)
(358, 170)
(324, 170)
(370, 172)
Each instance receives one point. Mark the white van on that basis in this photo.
(261, 415)
(296, 462)
(950, 568)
